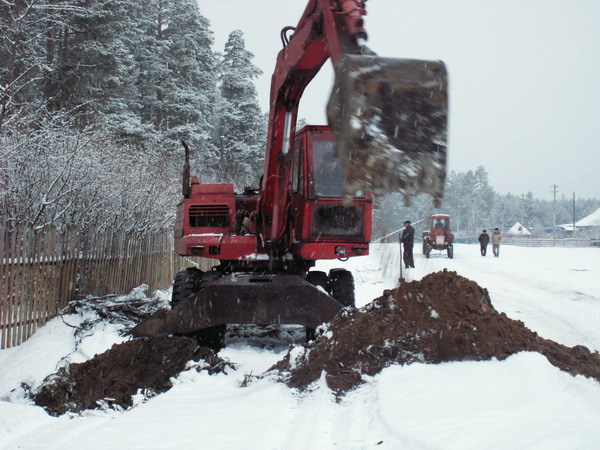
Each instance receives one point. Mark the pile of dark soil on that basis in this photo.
(115, 375)
(443, 317)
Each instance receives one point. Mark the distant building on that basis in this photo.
(518, 230)
(589, 225)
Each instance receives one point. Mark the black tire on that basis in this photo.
(208, 278)
(318, 278)
(187, 282)
(342, 286)
(450, 252)
(213, 337)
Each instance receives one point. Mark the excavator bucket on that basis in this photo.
(244, 298)
(390, 117)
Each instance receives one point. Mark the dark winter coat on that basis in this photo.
(484, 239)
(408, 236)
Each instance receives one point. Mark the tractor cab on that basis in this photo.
(439, 236)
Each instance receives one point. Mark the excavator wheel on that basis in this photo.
(213, 337)
(342, 286)
(318, 278)
(186, 283)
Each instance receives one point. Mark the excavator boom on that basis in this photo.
(389, 115)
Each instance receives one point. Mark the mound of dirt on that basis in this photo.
(115, 375)
(443, 317)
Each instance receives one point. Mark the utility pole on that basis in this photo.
(522, 211)
(554, 190)
(573, 214)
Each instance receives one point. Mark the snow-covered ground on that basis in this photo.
(522, 402)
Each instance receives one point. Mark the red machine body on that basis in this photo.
(214, 222)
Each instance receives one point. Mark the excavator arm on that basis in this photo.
(389, 115)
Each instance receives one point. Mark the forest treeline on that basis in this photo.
(473, 205)
(95, 97)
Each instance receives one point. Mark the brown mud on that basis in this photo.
(443, 317)
(111, 378)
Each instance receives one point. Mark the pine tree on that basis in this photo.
(241, 130)
(177, 81)
(24, 39)
(92, 71)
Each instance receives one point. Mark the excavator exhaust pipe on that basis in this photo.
(390, 116)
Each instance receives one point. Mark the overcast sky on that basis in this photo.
(524, 78)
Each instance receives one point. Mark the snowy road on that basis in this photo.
(522, 402)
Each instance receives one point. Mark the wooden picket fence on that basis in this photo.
(42, 271)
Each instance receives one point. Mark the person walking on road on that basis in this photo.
(484, 240)
(496, 239)
(407, 238)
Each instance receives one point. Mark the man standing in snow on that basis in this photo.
(484, 240)
(408, 241)
(496, 238)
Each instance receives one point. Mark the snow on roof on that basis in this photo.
(593, 220)
(518, 229)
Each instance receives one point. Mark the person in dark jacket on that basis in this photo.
(484, 240)
(407, 238)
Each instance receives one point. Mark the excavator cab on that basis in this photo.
(326, 224)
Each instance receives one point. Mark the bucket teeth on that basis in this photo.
(390, 117)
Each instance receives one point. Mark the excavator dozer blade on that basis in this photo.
(244, 299)
(390, 117)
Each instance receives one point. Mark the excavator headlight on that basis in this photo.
(341, 250)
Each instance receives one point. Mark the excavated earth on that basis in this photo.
(443, 317)
(113, 377)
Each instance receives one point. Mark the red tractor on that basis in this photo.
(439, 237)
(387, 133)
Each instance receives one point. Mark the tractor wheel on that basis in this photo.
(318, 278)
(187, 282)
(450, 251)
(427, 251)
(342, 286)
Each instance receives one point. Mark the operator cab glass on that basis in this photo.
(328, 173)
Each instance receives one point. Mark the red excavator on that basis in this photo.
(387, 132)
